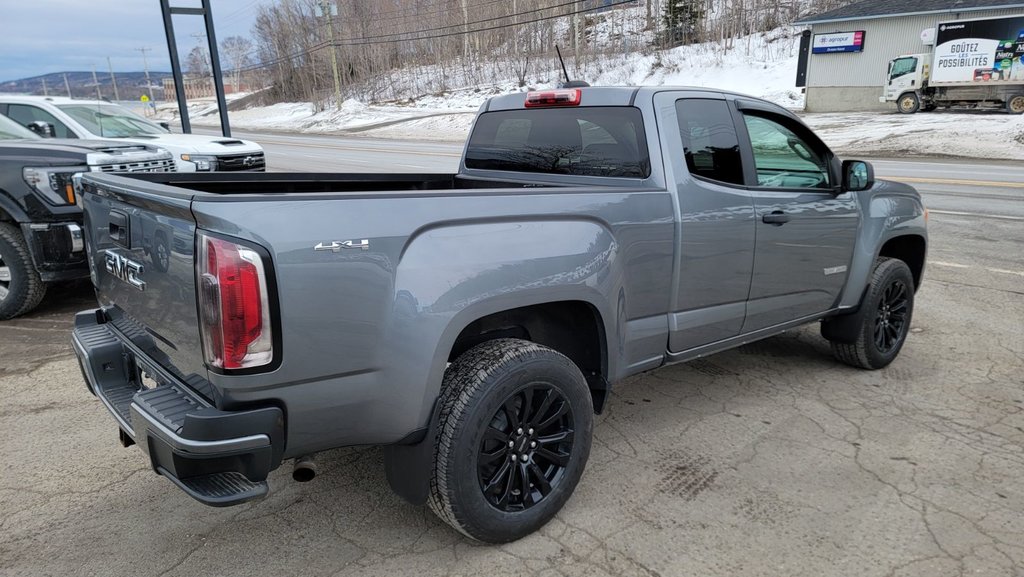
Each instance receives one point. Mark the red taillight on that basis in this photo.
(567, 97)
(233, 305)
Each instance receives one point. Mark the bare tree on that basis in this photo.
(198, 62)
(238, 51)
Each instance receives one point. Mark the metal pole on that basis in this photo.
(334, 52)
(218, 79)
(145, 67)
(66, 85)
(113, 79)
(95, 83)
(172, 49)
(45, 91)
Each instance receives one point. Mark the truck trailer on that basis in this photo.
(975, 63)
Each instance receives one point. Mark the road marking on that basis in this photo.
(989, 269)
(925, 180)
(977, 214)
(1004, 271)
(952, 264)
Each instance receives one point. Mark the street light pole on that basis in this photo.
(145, 67)
(326, 9)
(113, 79)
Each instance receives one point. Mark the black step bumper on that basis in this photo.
(218, 457)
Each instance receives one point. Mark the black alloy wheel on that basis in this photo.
(526, 448)
(891, 317)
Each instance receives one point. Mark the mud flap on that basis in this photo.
(409, 466)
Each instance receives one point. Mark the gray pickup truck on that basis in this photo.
(473, 323)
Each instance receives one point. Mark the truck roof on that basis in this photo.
(55, 100)
(620, 96)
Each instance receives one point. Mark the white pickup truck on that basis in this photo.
(96, 119)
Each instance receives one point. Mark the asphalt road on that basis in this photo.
(771, 459)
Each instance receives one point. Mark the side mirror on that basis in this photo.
(165, 125)
(41, 128)
(857, 175)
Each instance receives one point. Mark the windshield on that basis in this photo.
(585, 141)
(111, 121)
(902, 67)
(11, 130)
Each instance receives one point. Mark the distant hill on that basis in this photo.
(130, 85)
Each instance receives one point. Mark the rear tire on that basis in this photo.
(908, 103)
(21, 289)
(501, 401)
(883, 320)
(1015, 104)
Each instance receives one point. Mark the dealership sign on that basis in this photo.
(838, 42)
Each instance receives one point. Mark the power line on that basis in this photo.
(385, 39)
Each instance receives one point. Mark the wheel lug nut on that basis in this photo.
(533, 444)
(530, 431)
(515, 457)
(511, 444)
(519, 431)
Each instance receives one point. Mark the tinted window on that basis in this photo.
(24, 115)
(783, 159)
(586, 141)
(710, 143)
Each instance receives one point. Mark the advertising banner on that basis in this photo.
(979, 51)
(838, 42)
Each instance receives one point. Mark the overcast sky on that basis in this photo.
(43, 36)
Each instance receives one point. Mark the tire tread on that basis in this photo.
(35, 288)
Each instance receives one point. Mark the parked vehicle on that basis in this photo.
(40, 223)
(976, 63)
(73, 118)
(473, 323)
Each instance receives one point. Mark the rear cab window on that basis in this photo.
(607, 141)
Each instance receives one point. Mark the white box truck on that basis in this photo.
(975, 63)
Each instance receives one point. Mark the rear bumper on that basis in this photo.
(218, 457)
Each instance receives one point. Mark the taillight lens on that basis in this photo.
(233, 305)
(565, 97)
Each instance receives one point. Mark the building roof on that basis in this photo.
(867, 9)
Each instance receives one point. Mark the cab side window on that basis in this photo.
(783, 159)
(710, 143)
(25, 114)
(902, 66)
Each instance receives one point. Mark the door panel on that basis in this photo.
(805, 231)
(715, 231)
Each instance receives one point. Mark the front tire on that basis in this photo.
(21, 289)
(908, 103)
(883, 320)
(516, 420)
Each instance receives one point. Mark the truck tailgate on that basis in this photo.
(140, 240)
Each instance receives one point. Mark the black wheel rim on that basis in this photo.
(526, 448)
(891, 317)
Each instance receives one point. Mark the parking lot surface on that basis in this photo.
(772, 459)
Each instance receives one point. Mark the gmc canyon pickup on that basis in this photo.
(472, 323)
(40, 223)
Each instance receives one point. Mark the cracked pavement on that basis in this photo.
(772, 459)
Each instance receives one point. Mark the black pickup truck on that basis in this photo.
(40, 221)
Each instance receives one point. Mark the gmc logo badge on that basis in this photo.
(125, 269)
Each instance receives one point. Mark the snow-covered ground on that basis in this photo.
(762, 65)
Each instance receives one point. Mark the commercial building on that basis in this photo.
(851, 46)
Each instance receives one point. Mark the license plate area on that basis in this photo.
(146, 378)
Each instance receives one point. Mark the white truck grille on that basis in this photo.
(159, 165)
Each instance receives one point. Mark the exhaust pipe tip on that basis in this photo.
(304, 470)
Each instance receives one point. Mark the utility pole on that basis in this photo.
(113, 79)
(96, 82)
(45, 91)
(326, 7)
(145, 66)
(66, 85)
